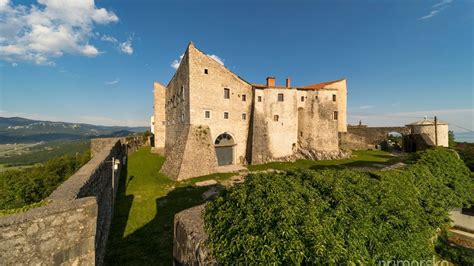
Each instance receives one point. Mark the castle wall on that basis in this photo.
(317, 128)
(429, 131)
(341, 99)
(159, 126)
(274, 139)
(73, 227)
(207, 94)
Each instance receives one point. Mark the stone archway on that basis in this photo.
(224, 145)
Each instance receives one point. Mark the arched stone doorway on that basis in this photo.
(224, 145)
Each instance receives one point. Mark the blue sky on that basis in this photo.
(95, 62)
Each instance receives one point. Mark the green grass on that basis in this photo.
(373, 159)
(142, 226)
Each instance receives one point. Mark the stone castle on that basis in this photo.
(208, 117)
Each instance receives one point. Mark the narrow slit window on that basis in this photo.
(335, 115)
(226, 115)
(334, 97)
(259, 99)
(244, 98)
(226, 93)
(302, 98)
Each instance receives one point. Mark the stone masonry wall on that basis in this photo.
(363, 137)
(73, 227)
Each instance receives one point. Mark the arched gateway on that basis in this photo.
(224, 145)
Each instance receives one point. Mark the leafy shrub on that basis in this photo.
(24, 187)
(338, 216)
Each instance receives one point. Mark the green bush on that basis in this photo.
(338, 216)
(24, 187)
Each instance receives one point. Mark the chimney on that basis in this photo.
(288, 83)
(270, 81)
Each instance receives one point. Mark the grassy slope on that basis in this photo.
(142, 227)
(374, 159)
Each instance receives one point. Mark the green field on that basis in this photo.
(142, 226)
(25, 154)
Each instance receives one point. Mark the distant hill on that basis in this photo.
(22, 130)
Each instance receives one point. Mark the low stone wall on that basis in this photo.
(190, 237)
(73, 227)
(363, 137)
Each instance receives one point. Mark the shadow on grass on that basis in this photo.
(151, 244)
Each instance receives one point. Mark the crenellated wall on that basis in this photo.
(74, 225)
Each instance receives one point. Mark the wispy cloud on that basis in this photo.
(112, 82)
(124, 47)
(436, 8)
(363, 107)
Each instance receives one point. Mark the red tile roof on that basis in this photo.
(321, 85)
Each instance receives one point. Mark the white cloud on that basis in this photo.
(176, 62)
(108, 38)
(218, 59)
(14, 64)
(48, 29)
(126, 47)
(436, 8)
(112, 82)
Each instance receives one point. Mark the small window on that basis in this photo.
(244, 98)
(302, 98)
(334, 97)
(182, 92)
(276, 118)
(301, 133)
(226, 115)
(206, 71)
(280, 97)
(207, 114)
(259, 99)
(316, 97)
(226, 93)
(182, 117)
(244, 116)
(335, 115)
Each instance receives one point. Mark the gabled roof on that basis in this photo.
(321, 85)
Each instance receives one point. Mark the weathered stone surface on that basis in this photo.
(189, 245)
(206, 183)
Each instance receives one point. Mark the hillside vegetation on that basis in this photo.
(23, 187)
(339, 216)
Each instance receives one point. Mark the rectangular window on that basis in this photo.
(182, 92)
(226, 93)
(207, 114)
(182, 117)
(302, 98)
(244, 116)
(244, 98)
(334, 97)
(226, 115)
(276, 117)
(206, 71)
(280, 97)
(259, 99)
(335, 115)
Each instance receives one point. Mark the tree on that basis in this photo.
(451, 139)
